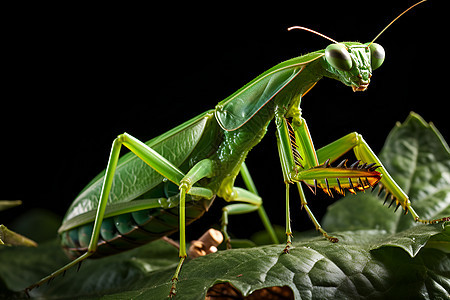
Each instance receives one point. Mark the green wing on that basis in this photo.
(236, 110)
(134, 177)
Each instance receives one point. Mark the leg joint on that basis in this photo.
(121, 138)
(358, 138)
(185, 185)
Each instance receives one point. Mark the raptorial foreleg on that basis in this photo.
(393, 192)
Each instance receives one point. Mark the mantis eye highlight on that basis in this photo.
(376, 55)
(337, 55)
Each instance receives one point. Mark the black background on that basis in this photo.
(76, 77)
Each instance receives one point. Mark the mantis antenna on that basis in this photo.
(328, 38)
(313, 31)
(394, 21)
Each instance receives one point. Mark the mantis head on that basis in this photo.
(353, 63)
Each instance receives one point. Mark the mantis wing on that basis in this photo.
(239, 108)
(133, 176)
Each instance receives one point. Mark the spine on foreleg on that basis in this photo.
(357, 177)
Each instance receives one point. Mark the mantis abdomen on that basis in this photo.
(130, 230)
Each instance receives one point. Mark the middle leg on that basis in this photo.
(251, 203)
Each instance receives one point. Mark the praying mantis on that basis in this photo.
(170, 181)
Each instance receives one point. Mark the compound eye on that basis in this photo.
(337, 55)
(376, 55)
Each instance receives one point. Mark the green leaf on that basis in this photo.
(5, 204)
(314, 268)
(22, 266)
(440, 241)
(9, 237)
(379, 255)
(411, 240)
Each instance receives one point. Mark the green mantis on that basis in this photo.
(170, 181)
